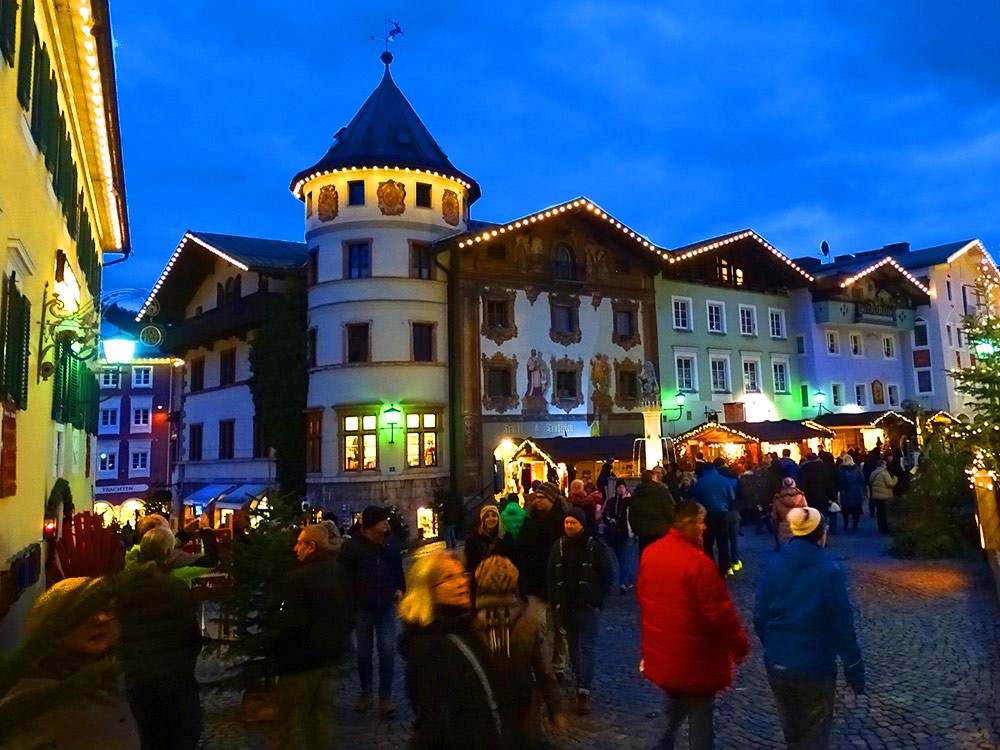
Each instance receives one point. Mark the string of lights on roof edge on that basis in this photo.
(173, 259)
(735, 238)
(99, 120)
(297, 190)
(560, 209)
(875, 266)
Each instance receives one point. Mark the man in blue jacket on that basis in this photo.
(804, 620)
(714, 492)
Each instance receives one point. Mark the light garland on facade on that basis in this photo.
(875, 266)
(297, 190)
(736, 238)
(561, 209)
(173, 259)
(99, 120)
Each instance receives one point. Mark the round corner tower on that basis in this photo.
(375, 205)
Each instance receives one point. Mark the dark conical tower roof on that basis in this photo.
(386, 132)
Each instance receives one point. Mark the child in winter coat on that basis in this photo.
(788, 497)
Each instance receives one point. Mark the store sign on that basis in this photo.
(121, 489)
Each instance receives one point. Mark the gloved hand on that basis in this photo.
(855, 676)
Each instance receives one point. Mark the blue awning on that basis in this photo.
(237, 497)
(207, 494)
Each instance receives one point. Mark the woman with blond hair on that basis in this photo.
(449, 680)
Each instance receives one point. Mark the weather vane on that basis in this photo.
(390, 34)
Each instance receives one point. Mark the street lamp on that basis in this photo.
(392, 416)
(819, 398)
(118, 350)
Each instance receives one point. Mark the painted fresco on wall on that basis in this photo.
(329, 203)
(450, 208)
(391, 198)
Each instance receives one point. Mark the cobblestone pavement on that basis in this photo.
(929, 632)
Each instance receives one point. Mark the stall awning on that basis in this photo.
(239, 496)
(207, 494)
(780, 431)
(860, 419)
(570, 450)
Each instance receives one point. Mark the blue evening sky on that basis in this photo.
(858, 123)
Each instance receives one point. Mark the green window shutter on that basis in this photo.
(24, 67)
(8, 29)
(40, 79)
(25, 353)
(5, 334)
(59, 384)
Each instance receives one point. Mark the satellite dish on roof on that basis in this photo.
(825, 248)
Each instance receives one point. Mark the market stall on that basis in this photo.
(562, 459)
(868, 429)
(748, 441)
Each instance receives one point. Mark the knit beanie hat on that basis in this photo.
(804, 521)
(788, 482)
(578, 514)
(488, 508)
(71, 601)
(372, 515)
(512, 518)
(550, 492)
(496, 581)
(847, 460)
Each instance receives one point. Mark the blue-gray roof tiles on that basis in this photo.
(258, 254)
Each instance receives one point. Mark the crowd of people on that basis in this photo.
(490, 637)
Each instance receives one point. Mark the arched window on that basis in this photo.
(563, 262)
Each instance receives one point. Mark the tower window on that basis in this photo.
(356, 193)
(423, 195)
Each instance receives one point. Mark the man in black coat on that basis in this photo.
(375, 569)
(313, 638)
(818, 481)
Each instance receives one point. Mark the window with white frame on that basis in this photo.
(837, 394)
(748, 320)
(142, 411)
(751, 376)
(856, 344)
(777, 322)
(139, 466)
(716, 313)
(142, 377)
(889, 347)
(109, 378)
(892, 393)
(107, 462)
(720, 374)
(682, 313)
(779, 371)
(687, 378)
(109, 420)
(833, 343)
(861, 394)
(922, 357)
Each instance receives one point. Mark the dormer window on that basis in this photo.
(728, 274)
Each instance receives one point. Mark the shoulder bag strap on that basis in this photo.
(483, 679)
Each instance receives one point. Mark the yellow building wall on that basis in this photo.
(32, 225)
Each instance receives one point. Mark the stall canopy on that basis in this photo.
(570, 450)
(860, 419)
(780, 431)
(239, 496)
(207, 494)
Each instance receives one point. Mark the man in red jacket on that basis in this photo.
(691, 637)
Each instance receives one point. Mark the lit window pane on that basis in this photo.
(351, 458)
(430, 449)
(413, 449)
(430, 421)
(370, 459)
(351, 424)
(412, 421)
(368, 422)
